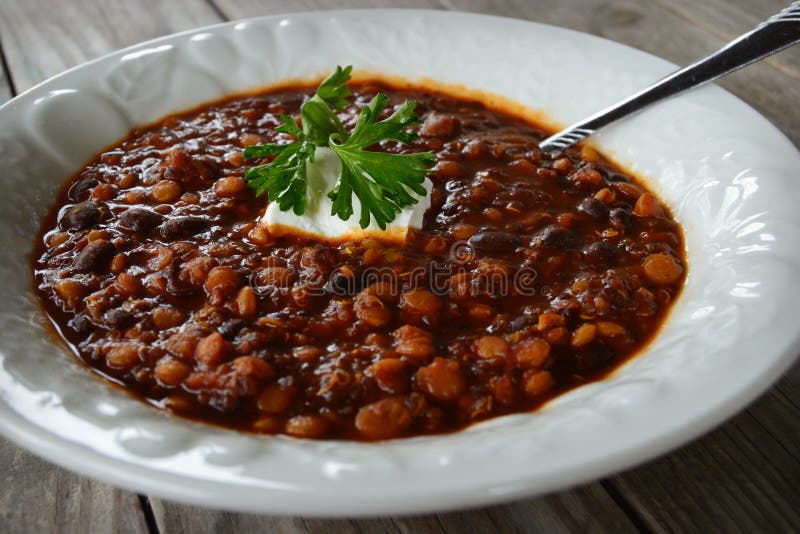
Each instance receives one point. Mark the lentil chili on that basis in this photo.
(532, 274)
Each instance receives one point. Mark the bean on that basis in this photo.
(532, 353)
(586, 177)
(438, 125)
(166, 317)
(212, 350)
(230, 186)
(221, 283)
(94, 256)
(608, 329)
(523, 167)
(275, 399)
(307, 426)
(555, 236)
(307, 353)
(606, 196)
(180, 227)
(489, 242)
(414, 342)
(599, 252)
(171, 372)
(128, 285)
(583, 335)
(538, 383)
(123, 355)
(442, 380)
(662, 269)
(593, 207)
(449, 170)
(195, 271)
(627, 190)
(70, 291)
(182, 344)
(492, 347)
(420, 304)
(562, 165)
(160, 258)
(589, 154)
(370, 310)
(620, 218)
(166, 191)
(557, 336)
(83, 216)
(81, 189)
(648, 206)
(384, 419)
(463, 231)
(104, 192)
(140, 219)
(246, 303)
(275, 277)
(549, 320)
(253, 367)
(480, 313)
(118, 263)
(390, 374)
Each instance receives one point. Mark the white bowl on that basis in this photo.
(730, 176)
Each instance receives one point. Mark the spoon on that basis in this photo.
(776, 33)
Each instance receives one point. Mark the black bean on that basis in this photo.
(94, 256)
(344, 281)
(593, 207)
(82, 216)
(180, 227)
(555, 236)
(599, 252)
(230, 328)
(493, 242)
(81, 189)
(620, 218)
(119, 318)
(140, 219)
(81, 325)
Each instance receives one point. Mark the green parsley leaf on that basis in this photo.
(382, 182)
(319, 120)
(284, 179)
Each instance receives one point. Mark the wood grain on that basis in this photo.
(585, 509)
(730, 18)
(743, 476)
(42, 38)
(37, 497)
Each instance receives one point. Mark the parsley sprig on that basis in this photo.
(384, 183)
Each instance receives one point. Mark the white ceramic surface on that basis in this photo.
(732, 179)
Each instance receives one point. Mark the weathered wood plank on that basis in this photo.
(653, 28)
(730, 18)
(6, 88)
(42, 38)
(584, 509)
(238, 9)
(741, 477)
(789, 385)
(38, 497)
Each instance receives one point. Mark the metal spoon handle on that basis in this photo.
(778, 32)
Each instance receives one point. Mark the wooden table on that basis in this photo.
(744, 476)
